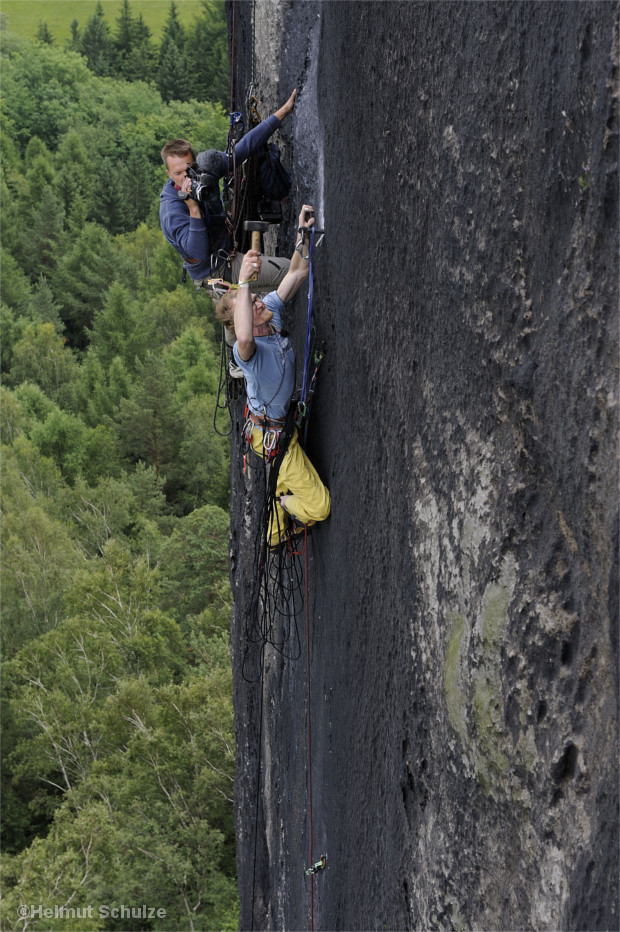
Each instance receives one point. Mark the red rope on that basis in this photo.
(309, 727)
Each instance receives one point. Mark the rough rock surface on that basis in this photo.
(463, 602)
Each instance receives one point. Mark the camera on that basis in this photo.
(204, 178)
(204, 186)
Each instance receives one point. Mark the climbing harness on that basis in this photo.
(276, 436)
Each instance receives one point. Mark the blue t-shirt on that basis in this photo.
(270, 373)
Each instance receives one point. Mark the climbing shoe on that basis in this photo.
(297, 528)
(275, 544)
(292, 535)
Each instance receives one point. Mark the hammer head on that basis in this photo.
(255, 226)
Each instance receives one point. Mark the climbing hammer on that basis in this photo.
(255, 227)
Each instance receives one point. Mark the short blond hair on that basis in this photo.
(224, 310)
(177, 147)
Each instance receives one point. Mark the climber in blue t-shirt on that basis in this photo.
(197, 230)
(270, 372)
(264, 353)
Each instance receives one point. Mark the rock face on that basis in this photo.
(463, 596)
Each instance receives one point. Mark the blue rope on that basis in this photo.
(304, 387)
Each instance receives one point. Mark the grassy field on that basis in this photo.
(23, 16)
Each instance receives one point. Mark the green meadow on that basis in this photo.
(23, 16)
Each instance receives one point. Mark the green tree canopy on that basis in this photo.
(39, 234)
(42, 90)
(207, 49)
(43, 34)
(118, 329)
(62, 438)
(39, 555)
(116, 601)
(173, 73)
(194, 560)
(135, 53)
(148, 418)
(82, 277)
(96, 44)
(42, 357)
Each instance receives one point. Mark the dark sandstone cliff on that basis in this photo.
(464, 593)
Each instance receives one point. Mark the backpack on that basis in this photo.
(275, 181)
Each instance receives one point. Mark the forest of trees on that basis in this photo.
(189, 63)
(118, 744)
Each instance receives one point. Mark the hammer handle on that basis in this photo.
(255, 244)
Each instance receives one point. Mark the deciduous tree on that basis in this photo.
(62, 437)
(38, 553)
(200, 474)
(42, 357)
(42, 90)
(194, 559)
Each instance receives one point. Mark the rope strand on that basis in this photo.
(304, 385)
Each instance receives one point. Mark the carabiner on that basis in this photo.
(248, 429)
(270, 440)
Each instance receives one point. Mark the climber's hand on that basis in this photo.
(306, 217)
(286, 108)
(250, 266)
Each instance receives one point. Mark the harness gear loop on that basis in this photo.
(272, 432)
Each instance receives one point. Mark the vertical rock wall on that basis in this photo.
(464, 594)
